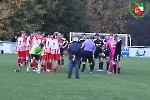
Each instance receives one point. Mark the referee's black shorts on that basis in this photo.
(87, 55)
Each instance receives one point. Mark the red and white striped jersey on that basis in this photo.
(40, 40)
(21, 43)
(28, 43)
(34, 41)
(48, 44)
(55, 48)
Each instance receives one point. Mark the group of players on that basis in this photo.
(54, 44)
(106, 47)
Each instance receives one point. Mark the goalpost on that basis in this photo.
(126, 38)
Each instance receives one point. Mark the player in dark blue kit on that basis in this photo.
(117, 54)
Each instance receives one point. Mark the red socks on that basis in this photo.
(54, 70)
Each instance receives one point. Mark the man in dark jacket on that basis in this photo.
(74, 51)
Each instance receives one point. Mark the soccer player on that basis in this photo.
(36, 53)
(117, 54)
(21, 43)
(81, 41)
(55, 50)
(98, 44)
(34, 39)
(106, 53)
(34, 42)
(64, 45)
(44, 57)
(28, 46)
(89, 48)
(111, 44)
(42, 40)
(48, 41)
(83, 38)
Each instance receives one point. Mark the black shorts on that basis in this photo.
(96, 55)
(117, 56)
(37, 57)
(106, 52)
(61, 52)
(82, 53)
(87, 55)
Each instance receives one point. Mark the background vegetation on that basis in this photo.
(74, 15)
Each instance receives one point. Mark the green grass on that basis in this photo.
(132, 84)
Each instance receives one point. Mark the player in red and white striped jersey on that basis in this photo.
(40, 38)
(29, 45)
(44, 57)
(48, 41)
(21, 48)
(55, 50)
(32, 40)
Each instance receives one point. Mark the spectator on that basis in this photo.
(74, 51)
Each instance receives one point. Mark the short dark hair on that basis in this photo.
(91, 37)
(96, 34)
(111, 34)
(102, 37)
(55, 34)
(46, 34)
(51, 32)
(31, 31)
(41, 45)
(115, 36)
(83, 34)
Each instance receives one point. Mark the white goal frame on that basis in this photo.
(126, 41)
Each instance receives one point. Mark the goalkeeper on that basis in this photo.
(36, 53)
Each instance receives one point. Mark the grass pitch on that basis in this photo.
(132, 84)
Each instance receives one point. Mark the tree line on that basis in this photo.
(104, 16)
